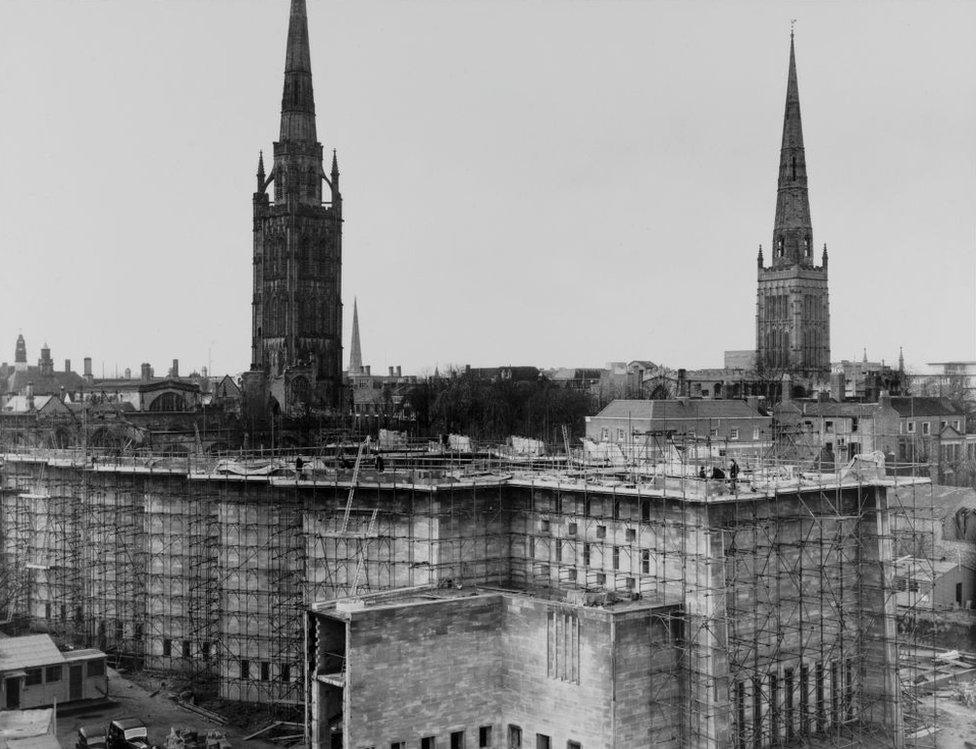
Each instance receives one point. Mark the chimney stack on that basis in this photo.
(682, 383)
(399, 371)
(368, 366)
(391, 371)
(67, 365)
(88, 369)
(174, 372)
(146, 372)
(128, 373)
(838, 386)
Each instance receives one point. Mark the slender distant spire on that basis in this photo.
(297, 99)
(793, 229)
(355, 351)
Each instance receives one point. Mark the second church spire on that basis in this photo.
(793, 229)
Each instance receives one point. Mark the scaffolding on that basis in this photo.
(786, 612)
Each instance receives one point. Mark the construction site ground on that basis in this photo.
(146, 697)
(956, 720)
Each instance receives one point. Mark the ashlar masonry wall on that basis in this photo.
(506, 663)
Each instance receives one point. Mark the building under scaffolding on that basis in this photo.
(776, 594)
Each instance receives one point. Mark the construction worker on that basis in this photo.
(733, 473)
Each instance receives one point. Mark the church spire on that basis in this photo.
(793, 229)
(355, 351)
(297, 99)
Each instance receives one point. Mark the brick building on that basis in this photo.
(624, 421)
(44, 379)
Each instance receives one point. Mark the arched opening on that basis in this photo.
(168, 402)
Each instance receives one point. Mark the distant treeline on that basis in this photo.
(494, 410)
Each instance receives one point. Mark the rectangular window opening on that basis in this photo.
(457, 740)
(484, 736)
(804, 700)
(514, 737)
(790, 722)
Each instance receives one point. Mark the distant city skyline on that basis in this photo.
(585, 184)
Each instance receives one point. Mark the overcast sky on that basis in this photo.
(549, 183)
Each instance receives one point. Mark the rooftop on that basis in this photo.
(30, 651)
(597, 601)
(681, 409)
(674, 475)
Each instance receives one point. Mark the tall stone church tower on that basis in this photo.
(792, 310)
(296, 327)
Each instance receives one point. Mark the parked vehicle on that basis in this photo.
(127, 733)
(91, 737)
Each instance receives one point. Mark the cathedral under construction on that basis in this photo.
(417, 594)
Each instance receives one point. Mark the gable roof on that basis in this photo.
(45, 384)
(20, 404)
(838, 408)
(30, 651)
(911, 406)
(679, 410)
